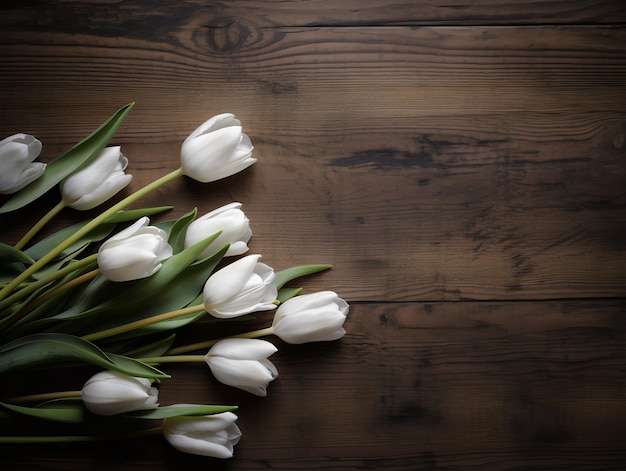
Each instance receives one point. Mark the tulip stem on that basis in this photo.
(174, 359)
(32, 287)
(43, 396)
(209, 343)
(39, 264)
(39, 225)
(122, 329)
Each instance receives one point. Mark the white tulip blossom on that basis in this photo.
(311, 318)
(98, 181)
(208, 435)
(234, 227)
(17, 168)
(243, 363)
(134, 253)
(242, 287)
(216, 149)
(110, 393)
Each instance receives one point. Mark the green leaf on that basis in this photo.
(179, 229)
(71, 161)
(134, 214)
(62, 413)
(179, 410)
(285, 276)
(287, 293)
(9, 254)
(153, 349)
(48, 348)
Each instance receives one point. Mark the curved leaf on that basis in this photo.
(285, 276)
(287, 293)
(179, 410)
(71, 161)
(179, 229)
(9, 254)
(48, 348)
(63, 413)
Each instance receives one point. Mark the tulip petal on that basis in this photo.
(226, 282)
(202, 156)
(243, 349)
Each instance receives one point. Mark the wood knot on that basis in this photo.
(226, 34)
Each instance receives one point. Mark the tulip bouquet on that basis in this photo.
(103, 300)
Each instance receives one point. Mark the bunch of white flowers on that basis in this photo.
(138, 287)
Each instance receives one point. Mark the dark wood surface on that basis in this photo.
(462, 166)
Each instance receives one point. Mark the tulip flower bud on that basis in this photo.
(17, 168)
(311, 318)
(229, 219)
(110, 393)
(134, 253)
(242, 287)
(242, 363)
(216, 149)
(97, 182)
(208, 435)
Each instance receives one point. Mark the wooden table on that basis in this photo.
(462, 166)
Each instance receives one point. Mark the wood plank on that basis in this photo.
(126, 19)
(424, 164)
(473, 386)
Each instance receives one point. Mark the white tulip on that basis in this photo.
(242, 363)
(311, 318)
(110, 393)
(242, 287)
(97, 182)
(134, 253)
(208, 435)
(216, 149)
(17, 168)
(229, 219)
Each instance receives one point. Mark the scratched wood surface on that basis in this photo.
(462, 166)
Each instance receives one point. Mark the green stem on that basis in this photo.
(122, 329)
(87, 228)
(79, 438)
(39, 225)
(174, 359)
(32, 287)
(209, 343)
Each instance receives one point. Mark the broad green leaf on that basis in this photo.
(285, 276)
(71, 161)
(287, 293)
(153, 349)
(179, 410)
(63, 413)
(179, 229)
(49, 348)
(9, 254)
(134, 214)
(60, 263)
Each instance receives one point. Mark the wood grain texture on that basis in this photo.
(461, 165)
